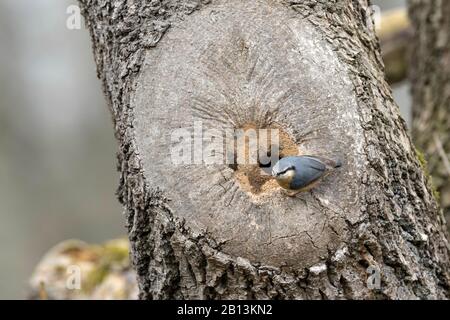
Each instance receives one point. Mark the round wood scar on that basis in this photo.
(235, 63)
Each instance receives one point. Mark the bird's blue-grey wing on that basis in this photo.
(308, 170)
(330, 164)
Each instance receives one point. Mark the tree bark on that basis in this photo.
(310, 68)
(430, 77)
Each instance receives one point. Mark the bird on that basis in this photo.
(297, 174)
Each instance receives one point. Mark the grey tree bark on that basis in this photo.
(430, 77)
(310, 68)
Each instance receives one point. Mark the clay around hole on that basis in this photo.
(255, 179)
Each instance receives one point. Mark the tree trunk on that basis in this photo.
(310, 69)
(430, 77)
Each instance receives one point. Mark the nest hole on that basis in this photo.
(254, 174)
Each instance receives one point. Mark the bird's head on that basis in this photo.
(284, 172)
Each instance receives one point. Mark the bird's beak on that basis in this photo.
(275, 171)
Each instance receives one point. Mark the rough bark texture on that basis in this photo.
(386, 217)
(430, 77)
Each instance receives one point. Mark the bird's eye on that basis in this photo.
(285, 171)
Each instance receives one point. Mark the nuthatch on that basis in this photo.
(302, 173)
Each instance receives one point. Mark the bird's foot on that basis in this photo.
(292, 194)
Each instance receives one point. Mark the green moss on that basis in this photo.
(95, 277)
(112, 255)
(436, 193)
(422, 160)
(116, 251)
(424, 164)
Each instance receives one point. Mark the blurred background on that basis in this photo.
(57, 149)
